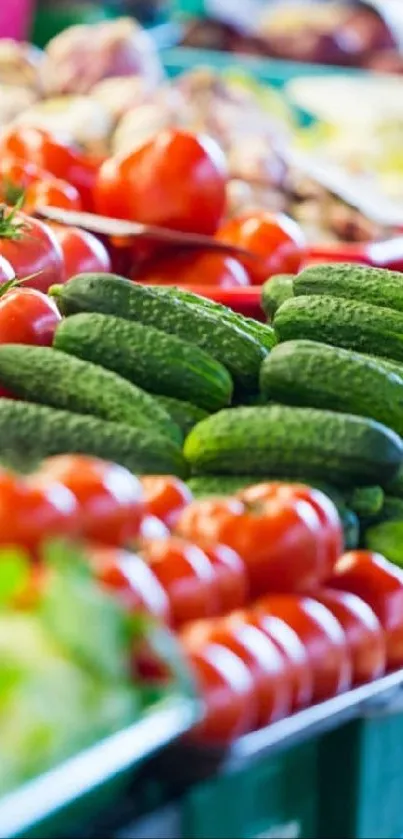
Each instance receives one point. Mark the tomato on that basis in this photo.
(82, 252)
(365, 636)
(226, 687)
(31, 248)
(16, 176)
(380, 584)
(109, 496)
(130, 578)
(276, 241)
(187, 576)
(231, 575)
(27, 317)
(30, 515)
(166, 496)
(7, 272)
(51, 192)
(191, 268)
(331, 527)
(322, 637)
(152, 528)
(278, 540)
(176, 180)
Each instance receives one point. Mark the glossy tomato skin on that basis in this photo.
(322, 637)
(166, 496)
(187, 576)
(7, 272)
(380, 584)
(33, 251)
(52, 192)
(30, 515)
(28, 317)
(193, 269)
(276, 241)
(151, 528)
(231, 576)
(175, 180)
(16, 176)
(365, 636)
(82, 252)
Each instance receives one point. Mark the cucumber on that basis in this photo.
(276, 291)
(321, 376)
(160, 363)
(343, 323)
(387, 539)
(184, 414)
(395, 485)
(351, 528)
(366, 502)
(242, 354)
(378, 286)
(204, 485)
(36, 431)
(51, 377)
(279, 440)
(392, 509)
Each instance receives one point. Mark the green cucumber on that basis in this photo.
(276, 291)
(204, 485)
(387, 539)
(395, 485)
(321, 376)
(160, 363)
(343, 323)
(354, 282)
(366, 502)
(392, 509)
(50, 377)
(279, 440)
(184, 414)
(351, 528)
(108, 294)
(32, 432)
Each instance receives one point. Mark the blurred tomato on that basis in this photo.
(277, 242)
(15, 177)
(7, 272)
(193, 269)
(166, 496)
(231, 575)
(31, 515)
(27, 317)
(82, 252)
(31, 248)
(152, 528)
(51, 192)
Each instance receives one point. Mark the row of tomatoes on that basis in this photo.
(269, 612)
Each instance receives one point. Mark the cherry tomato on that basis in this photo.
(365, 636)
(226, 687)
(175, 180)
(16, 176)
(231, 575)
(109, 496)
(322, 637)
(380, 584)
(31, 515)
(187, 576)
(82, 252)
(276, 241)
(166, 496)
(193, 269)
(31, 248)
(130, 578)
(51, 192)
(27, 317)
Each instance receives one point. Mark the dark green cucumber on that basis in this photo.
(50, 377)
(354, 282)
(184, 414)
(395, 485)
(36, 431)
(276, 291)
(204, 485)
(279, 440)
(160, 363)
(387, 539)
(343, 323)
(366, 502)
(240, 353)
(321, 376)
(351, 528)
(392, 510)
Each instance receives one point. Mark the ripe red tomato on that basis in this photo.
(166, 496)
(365, 636)
(193, 269)
(380, 584)
(31, 248)
(226, 687)
(152, 528)
(231, 575)
(276, 241)
(176, 180)
(110, 498)
(27, 317)
(187, 576)
(51, 192)
(31, 515)
(16, 176)
(322, 637)
(7, 272)
(82, 252)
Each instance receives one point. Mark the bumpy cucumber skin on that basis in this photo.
(279, 440)
(343, 323)
(275, 292)
(378, 286)
(37, 431)
(50, 377)
(242, 354)
(184, 414)
(160, 363)
(321, 376)
(366, 502)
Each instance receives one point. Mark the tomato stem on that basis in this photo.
(10, 227)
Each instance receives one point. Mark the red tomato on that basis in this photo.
(166, 496)
(278, 540)
(380, 584)
(193, 269)
(187, 576)
(232, 577)
(31, 248)
(30, 515)
(152, 528)
(51, 192)
(109, 496)
(27, 317)
(322, 637)
(175, 180)
(16, 176)
(7, 272)
(275, 239)
(131, 579)
(365, 636)
(82, 252)
(226, 687)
